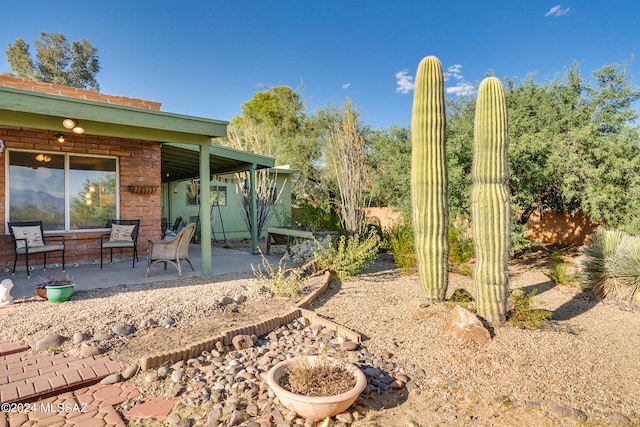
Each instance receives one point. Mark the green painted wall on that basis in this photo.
(174, 204)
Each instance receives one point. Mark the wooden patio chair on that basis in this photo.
(172, 251)
(123, 235)
(28, 239)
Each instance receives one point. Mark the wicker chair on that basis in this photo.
(172, 251)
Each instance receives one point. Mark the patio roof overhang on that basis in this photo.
(185, 139)
(178, 161)
(45, 111)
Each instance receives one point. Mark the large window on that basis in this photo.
(217, 193)
(65, 191)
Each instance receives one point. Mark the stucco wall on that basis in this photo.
(559, 228)
(548, 227)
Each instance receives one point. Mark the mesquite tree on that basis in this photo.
(490, 206)
(429, 179)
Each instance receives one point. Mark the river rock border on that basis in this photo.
(259, 329)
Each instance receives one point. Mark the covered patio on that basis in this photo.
(150, 148)
(90, 276)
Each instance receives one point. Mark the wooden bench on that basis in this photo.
(283, 236)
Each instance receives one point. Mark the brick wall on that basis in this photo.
(72, 92)
(139, 163)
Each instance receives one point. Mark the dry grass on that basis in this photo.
(320, 379)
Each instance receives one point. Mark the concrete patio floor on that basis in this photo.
(90, 276)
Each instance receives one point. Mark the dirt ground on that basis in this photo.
(580, 368)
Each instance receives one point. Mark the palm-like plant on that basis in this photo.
(624, 268)
(611, 265)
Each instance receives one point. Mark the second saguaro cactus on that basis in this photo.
(490, 206)
(429, 179)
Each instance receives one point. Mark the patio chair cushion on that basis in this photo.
(32, 235)
(39, 249)
(120, 233)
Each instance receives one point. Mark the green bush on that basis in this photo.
(315, 217)
(520, 245)
(460, 249)
(279, 282)
(400, 238)
(521, 313)
(558, 272)
(402, 245)
(349, 254)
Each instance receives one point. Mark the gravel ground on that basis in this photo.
(582, 363)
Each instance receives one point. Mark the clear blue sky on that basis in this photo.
(205, 58)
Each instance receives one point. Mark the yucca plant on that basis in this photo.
(593, 270)
(624, 269)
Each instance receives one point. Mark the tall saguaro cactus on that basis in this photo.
(490, 207)
(429, 179)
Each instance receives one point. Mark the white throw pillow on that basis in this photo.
(32, 234)
(121, 233)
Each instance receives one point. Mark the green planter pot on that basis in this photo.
(60, 293)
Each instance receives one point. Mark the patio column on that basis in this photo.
(205, 212)
(254, 209)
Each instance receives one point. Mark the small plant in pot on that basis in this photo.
(54, 289)
(316, 387)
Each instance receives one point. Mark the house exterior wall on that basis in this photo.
(175, 204)
(139, 162)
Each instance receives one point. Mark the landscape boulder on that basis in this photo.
(465, 325)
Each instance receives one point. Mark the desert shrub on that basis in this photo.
(558, 270)
(520, 245)
(460, 248)
(610, 267)
(402, 246)
(316, 217)
(349, 254)
(460, 297)
(280, 282)
(305, 251)
(404, 254)
(522, 314)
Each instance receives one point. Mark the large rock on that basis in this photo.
(242, 342)
(87, 350)
(50, 342)
(465, 325)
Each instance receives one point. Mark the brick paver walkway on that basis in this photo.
(55, 390)
(27, 377)
(9, 347)
(62, 410)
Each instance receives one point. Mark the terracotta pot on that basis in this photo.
(315, 407)
(42, 293)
